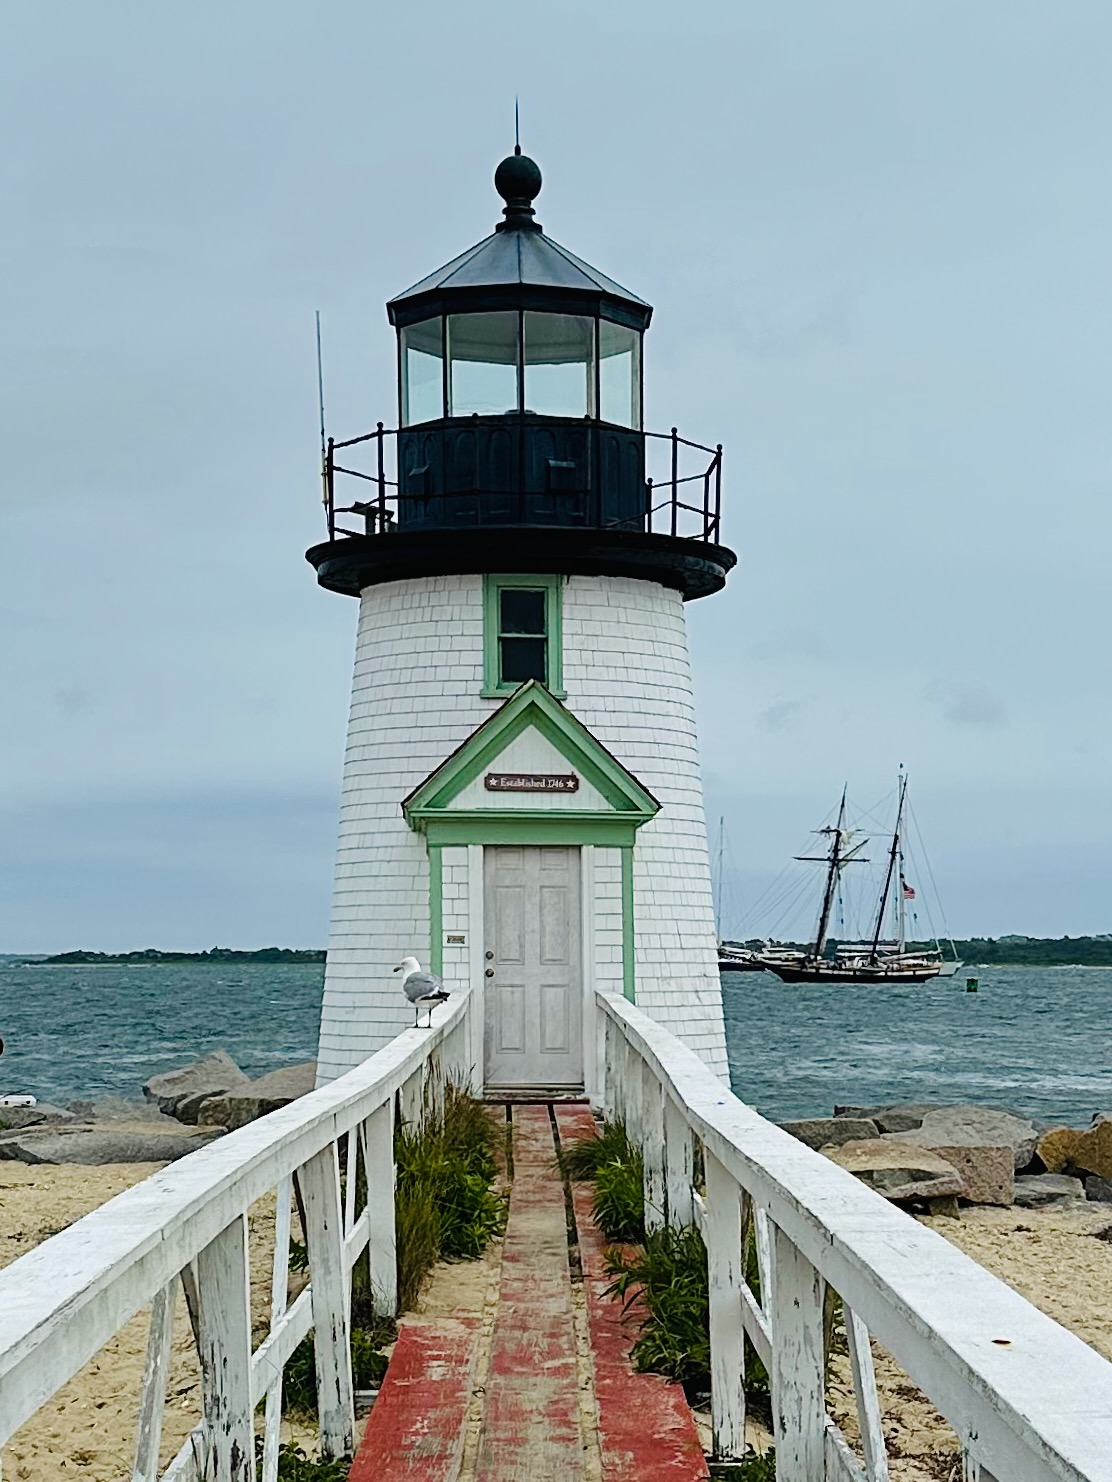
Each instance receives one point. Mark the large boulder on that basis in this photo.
(254, 1099)
(97, 1145)
(1084, 1152)
(1036, 1190)
(1099, 1190)
(898, 1171)
(986, 1147)
(902, 1116)
(820, 1132)
(193, 1084)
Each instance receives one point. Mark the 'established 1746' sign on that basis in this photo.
(531, 782)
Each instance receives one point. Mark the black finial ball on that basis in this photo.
(517, 179)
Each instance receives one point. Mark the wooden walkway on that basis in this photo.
(560, 1402)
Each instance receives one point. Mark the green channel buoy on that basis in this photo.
(972, 985)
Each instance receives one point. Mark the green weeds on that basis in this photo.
(445, 1207)
(295, 1466)
(614, 1165)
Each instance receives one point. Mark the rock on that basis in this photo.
(211, 1076)
(820, 1132)
(96, 1145)
(976, 1126)
(255, 1098)
(902, 1116)
(1099, 1190)
(986, 1146)
(898, 1171)
(15, 1117)
(1086, 1152)
(1033, 1191)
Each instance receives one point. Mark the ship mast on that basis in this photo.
(893, 858)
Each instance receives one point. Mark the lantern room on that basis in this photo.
(520, 436)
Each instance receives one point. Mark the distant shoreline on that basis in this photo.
(150, 956)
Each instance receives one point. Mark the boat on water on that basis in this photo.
(875, 959)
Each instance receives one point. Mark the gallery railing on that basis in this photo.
(520, 469)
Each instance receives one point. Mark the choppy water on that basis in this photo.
(1036, 1039)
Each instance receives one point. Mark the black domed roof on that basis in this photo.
(518, 266)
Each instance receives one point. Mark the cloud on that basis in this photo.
(966, 702)
(781, 716)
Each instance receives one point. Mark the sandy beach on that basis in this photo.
(1051, 1256)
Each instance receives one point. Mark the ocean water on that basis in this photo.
(1038, 1040)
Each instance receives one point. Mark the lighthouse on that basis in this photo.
(522, 807)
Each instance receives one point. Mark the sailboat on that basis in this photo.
(877, 960)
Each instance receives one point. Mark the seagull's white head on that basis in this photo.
(408, 965)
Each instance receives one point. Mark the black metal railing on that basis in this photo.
(523, 470)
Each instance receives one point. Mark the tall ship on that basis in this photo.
(884, 956)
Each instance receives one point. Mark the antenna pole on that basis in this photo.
(517, 128)
(320, 400)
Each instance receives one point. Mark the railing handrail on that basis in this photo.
(1029, 1397)
(63, 1300)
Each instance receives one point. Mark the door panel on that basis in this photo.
(534, 989)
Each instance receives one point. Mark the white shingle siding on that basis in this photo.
(415, 698)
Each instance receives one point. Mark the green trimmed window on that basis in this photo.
(521, 621)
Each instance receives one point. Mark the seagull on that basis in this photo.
(422, 989)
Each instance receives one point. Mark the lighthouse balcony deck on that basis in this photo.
(528, 492)
(1027, 1400)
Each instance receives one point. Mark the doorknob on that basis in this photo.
(490, 972)
(490, 956)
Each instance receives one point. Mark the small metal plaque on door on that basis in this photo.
(531, 782)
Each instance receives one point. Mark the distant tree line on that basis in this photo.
(214, 954)
(1010, 951)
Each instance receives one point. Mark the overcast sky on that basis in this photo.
(877, 239)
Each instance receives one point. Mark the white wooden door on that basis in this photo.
(533, 984)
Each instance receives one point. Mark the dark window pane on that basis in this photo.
(521, 611)
(522, 659)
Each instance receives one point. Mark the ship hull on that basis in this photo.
(823, 972)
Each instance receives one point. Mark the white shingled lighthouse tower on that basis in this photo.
(522, 806)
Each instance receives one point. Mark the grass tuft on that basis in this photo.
(295, 1466)
(615, 1166)
(445, 1206)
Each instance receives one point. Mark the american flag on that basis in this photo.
(908, 892)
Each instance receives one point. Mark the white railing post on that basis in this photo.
(727, 1335)
(222, 1290)
(613, 1091)
(378, 1154)
(869, 1419)
(678, 1163)
(279, 1291)
(631, 1081)
(798, 1363)
(652, 1147)
(319, 1181)
(410, 1099)
(152, 1401)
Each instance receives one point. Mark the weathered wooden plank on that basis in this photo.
(870, 1421)
(841, 1464)
(727, 1334)
(319, 1182)
(224, 1323)
(378, 1138)
(1034, 1406)
(152, 1399)
(678, 1162)
(798, 1364)
(652, 1149)
(64, 1300)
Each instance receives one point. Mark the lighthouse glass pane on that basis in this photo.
(619, 374)
(423, 371)
(482, 364)
(559, 364)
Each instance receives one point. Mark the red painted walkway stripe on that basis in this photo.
(415, 1430)
(646, 1429)
(530, 1430)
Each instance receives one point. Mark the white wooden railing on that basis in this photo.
(1028, 1400)
(64, 1300)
